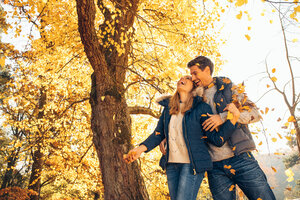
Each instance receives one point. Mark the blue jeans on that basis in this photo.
(183, 185)
(246, 174)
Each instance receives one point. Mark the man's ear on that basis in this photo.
(207, 70)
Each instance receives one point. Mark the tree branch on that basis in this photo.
(138, 110)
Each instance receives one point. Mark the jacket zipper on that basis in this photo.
(166, 139)
(189, 148)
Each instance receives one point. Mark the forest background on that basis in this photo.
(79, 80)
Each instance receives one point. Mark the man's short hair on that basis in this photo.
(202, 62)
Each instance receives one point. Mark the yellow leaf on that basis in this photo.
(262, 14)
(248, 37)
(102, 98)
(290, 174)
(249, 28)
(291, 119)
(287, 124)
(279, 136)
(271, 21)
(239, 16)
(2, 61)
(279, 154)
(293, 131)
(240, 2)
(274, 79)
(260, 143)
(274, 139)
(229, 115)
(273, 70)
(295, 40)
(289, 138)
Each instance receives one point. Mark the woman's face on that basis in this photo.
(185, 84)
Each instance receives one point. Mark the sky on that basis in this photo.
(245, 62)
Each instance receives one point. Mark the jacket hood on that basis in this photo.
(164, 99)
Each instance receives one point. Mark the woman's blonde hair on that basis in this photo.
(175, 103)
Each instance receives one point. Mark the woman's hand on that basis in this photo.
(134, 154)
(232, 110)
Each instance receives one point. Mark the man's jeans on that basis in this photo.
(183, 185)
(242, 170)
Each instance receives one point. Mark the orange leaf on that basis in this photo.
(231, 188)
(268, 85)
(157, 133)
(227, 166)
(274, 139)
(291, 119)
(279, 136)
(266, 110)
(222, 88)
(274, 169)
(233, 149)
(204, 115)
(289, 138)
(274, 79)
(260, 143)
(204, 137)
(232, 171)
(259, 199)
(289, 188)
(273, 70)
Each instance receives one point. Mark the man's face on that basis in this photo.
(198, 76)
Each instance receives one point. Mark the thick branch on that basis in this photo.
(136, 110)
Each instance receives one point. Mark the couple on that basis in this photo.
(204, 131)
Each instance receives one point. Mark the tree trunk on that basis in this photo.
(110, 120)
(36, 171)
(8, 176)
(297, 128)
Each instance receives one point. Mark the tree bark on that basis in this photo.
(110, 120)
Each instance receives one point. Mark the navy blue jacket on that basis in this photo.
(241, 139)
(193, 133)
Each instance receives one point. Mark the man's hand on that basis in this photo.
(212, 123)
(162, 146)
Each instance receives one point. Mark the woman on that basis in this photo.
(187, 156)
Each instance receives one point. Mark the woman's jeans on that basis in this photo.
(242, 170)
(183, 185)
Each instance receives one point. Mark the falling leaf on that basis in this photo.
(102, 98)
(279, 136)
(232, 171)
(261, 111)
(289, 138)
(222, 139)
(278, 154)
(273, 70)
(295, 40)
(268, 85)
(204, 115)
(271, 21)
(273, 168)
(266, 110)
(290, 174)
(227, 166)
(293, 131)
(274, 79)
(259, 199)
(239, 16)
(231, 188)
(226, 80)
(234, 148)
(222, 88)
(240, 2)
(249, 28)
(249, 155)
(274, 139)
(279, 119)
(248, 37)
(291, 119)
(157, 133)
(260, 143)
(203, 137)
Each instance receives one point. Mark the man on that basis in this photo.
(233, 163)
